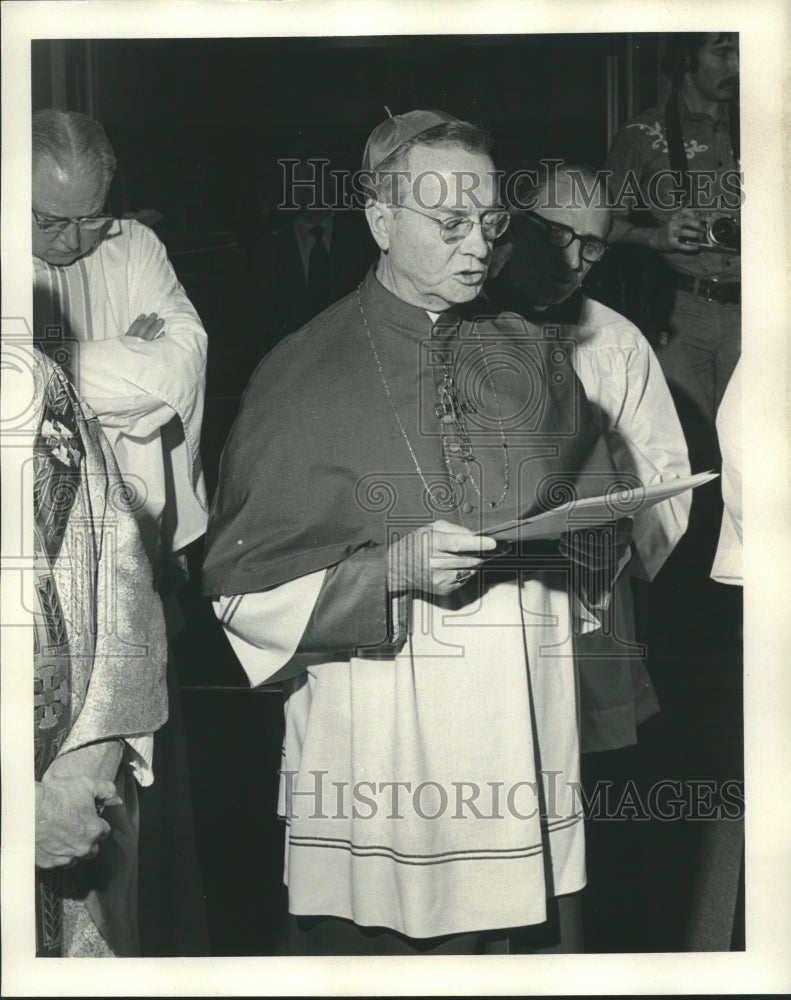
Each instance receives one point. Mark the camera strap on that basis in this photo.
(675, 149)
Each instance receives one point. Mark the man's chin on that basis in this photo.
(64, 259)
(467, 287)
(554, 293)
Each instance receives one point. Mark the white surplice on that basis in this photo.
(148, 395)
(624, 382)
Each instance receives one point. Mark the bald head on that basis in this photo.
(555, 203)
(75, 143)
(73, 164)
(554, 183)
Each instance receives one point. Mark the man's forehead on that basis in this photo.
(587, 221)
(577, 195)
(450, 177)
(65, 194)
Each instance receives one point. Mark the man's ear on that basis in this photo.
(380, 220)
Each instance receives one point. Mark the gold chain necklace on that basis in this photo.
(450, 406)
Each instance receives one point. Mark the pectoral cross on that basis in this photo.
(450, 407)
(453, 409)
(450, 410)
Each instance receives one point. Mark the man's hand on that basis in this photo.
(436, 559)
(683, 225)
(149, 327)
(68, 828)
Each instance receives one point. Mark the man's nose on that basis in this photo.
(70, 236)
(475, 243)
(572, 255)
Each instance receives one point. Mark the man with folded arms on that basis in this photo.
(108, 307)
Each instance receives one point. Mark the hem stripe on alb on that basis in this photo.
(380, 850)
(231, 609)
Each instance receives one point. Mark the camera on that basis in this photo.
(723, 233)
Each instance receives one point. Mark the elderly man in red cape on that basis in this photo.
(431, 757)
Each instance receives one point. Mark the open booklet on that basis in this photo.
(594, 510)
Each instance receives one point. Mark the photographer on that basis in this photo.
(675, 185)
(682, 160)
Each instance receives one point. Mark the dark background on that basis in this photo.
(196, 123)
(197, 126)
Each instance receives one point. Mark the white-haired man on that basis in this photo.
(371, 449)
(108, 304)
(108, 307)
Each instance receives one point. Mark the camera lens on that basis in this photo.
(725, 232)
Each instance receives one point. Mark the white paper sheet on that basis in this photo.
(595, 510)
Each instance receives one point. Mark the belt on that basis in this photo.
(710, 289)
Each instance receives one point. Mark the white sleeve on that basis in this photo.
(727, 566)
(140, 757)
(264, 628)
(117, 402)
(646, 440)
(142, 383)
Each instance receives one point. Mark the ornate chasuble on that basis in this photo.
(99, 643)
(58, 454)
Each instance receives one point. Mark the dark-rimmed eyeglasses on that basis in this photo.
(557, 235)
(493, 224)
(88, 224)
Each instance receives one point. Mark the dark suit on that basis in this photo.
(278, 273)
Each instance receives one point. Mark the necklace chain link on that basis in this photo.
(448, 397)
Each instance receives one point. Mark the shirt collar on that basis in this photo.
(304, 223)
(384, 306)
(506, 295)
(699, 116)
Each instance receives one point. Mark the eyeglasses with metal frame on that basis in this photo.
(557, 235)
(493, 224)
(88, 224)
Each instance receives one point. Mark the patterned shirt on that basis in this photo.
(640, 166)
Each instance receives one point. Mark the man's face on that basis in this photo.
(547, 274)
(445, 183)
(61, 196)
(717, 75)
